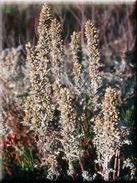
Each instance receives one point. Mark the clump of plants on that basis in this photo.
(15, 141)
(73, 110)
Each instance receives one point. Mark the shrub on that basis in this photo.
(74, 108)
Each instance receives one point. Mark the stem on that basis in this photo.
(81, 165)
(115, 166)
(118, 173)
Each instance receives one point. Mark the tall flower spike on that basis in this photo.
(44, 20)
(69, 126)
(107, 134)
(75, 50)
(93, 57)
(40, 71)
(39, 82)
(43, 29)
(39, 107)
(56, 49)
(28, 106)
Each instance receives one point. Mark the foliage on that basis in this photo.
(18, 152)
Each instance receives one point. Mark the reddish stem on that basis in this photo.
(118, 173)
(115, 166)
(81, 165)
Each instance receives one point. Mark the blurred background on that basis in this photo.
(114, 22)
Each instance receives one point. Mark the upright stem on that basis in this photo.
(118, 172)
(115, 166)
